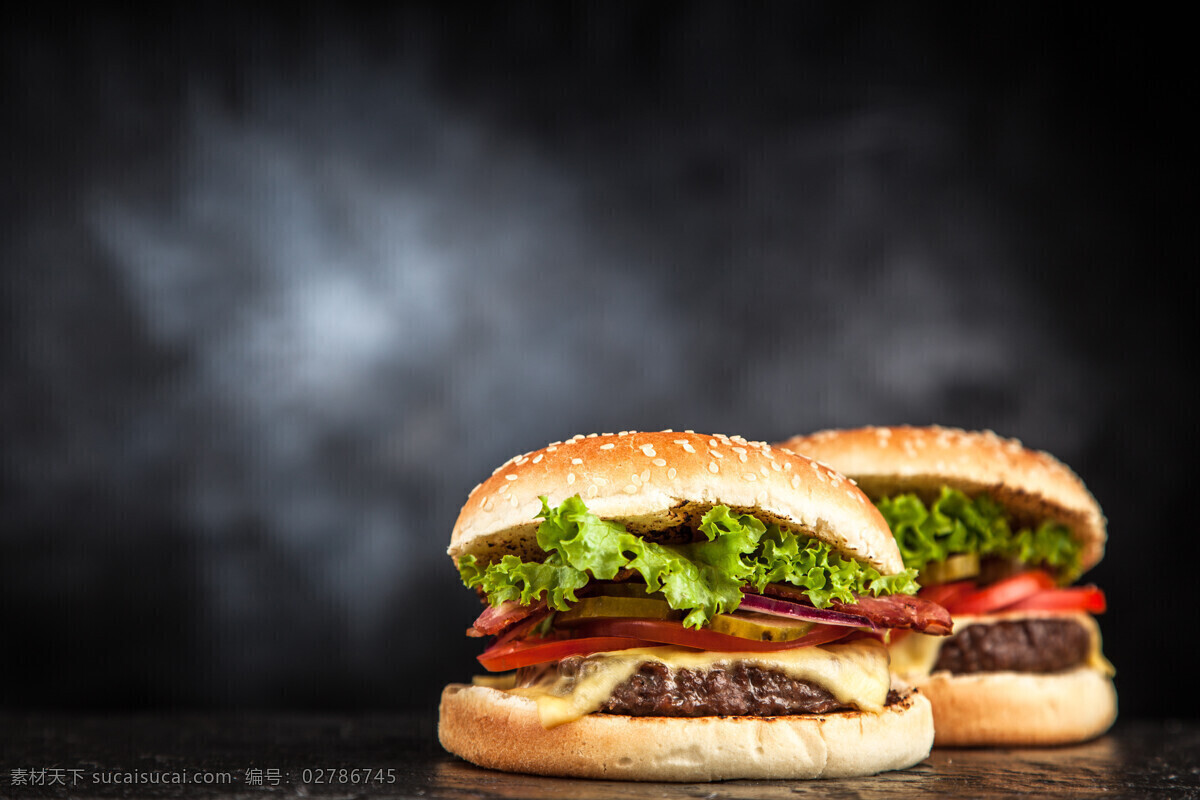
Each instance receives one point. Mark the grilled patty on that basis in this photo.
(1027, 645)
(739, 690)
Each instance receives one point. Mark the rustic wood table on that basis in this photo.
(280, 756)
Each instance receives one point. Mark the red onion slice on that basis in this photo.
(784, 608)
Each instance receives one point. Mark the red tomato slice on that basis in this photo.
(536, 651)
(1077, 598)
(946, 595)
(668, 632)
(1002, 594)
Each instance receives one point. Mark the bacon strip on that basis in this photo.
(494, 620)
(894, 611)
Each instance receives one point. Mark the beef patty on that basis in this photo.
(1026, 645)
(740, 690)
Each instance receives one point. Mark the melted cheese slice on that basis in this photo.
(856, 674)
(914, 656)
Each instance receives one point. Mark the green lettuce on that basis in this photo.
(704, 578)
(955, 523)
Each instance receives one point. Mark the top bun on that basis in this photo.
(655, 481)
(1031, 485)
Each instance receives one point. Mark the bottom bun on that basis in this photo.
(1016, 708)
(495, 729)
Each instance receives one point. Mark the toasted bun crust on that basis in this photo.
(1031, 484)
(653, 481)
(501, 731)
(1019, 708)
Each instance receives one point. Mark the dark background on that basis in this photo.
(278, 290)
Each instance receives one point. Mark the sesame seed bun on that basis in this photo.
(501, 731)
(656, 481)
(1030, 484)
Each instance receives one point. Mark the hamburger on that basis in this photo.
(998, 534)
(682, 607)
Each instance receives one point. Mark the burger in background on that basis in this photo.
(997, 534)
(676, 606)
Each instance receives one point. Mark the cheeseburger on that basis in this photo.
(997, 533)
(682, 607)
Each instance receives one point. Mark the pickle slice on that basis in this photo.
(761, 627)
(627, 589)
(625, 607)
(954, 568)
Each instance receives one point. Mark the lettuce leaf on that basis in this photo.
(704, 578)
(955, 523)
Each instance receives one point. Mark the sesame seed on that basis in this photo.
(645, 475)
(551, 449)
(606, 434)
(504, 488)
(761, 497)
(712, 466)
(608, 446)
(648, 450)
(623, 433)
(775, 466)
(520, 461)
(742, 457)
(741, 451)
(712, 442)
(671, 473)
(513, 501)
(570, 478)
(601, 481)
(667, 430)
(659, 462)
(593, 490)
(476, 489)
(578, 436)
(631, 489)
(795, 481)
(487, 504)
(749, 476)
(576, 461)
(787, 466)
(483, 502)
(554, 444)
(766, 472)
(510, 477)
(537, 459)
(688, 448)
(592, 435)
(636, 479)
(715, 454)
(689, 430)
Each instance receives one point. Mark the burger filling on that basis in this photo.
(1034, 641)
(1002, 581)
(677, 682)
(732, 617)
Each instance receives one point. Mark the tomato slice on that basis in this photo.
(525, 652)
(1002, 594)
(1077, 598)
(947, 595)
(669, 632)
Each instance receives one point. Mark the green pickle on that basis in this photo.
(955, 568)
(625, 607)
(744, 624)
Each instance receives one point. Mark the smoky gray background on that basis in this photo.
(278, 291)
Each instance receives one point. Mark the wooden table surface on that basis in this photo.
(397, 755)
